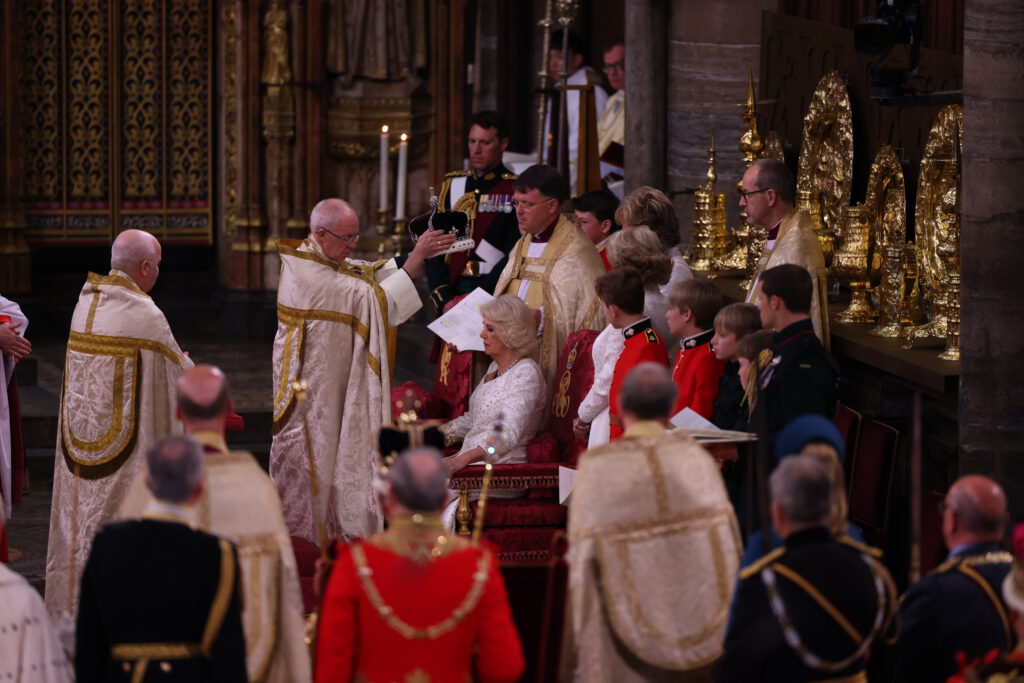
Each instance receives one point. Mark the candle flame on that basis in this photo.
(383, 129)
(404, 137)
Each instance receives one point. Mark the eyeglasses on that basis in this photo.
(348, 239)
(746, 194)
(529, 206)
(620, 65)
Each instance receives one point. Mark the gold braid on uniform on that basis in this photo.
(966, 566)
(433, 631)
(789, 631)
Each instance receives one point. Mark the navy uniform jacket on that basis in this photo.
(755, 645)
(164, 597)
(801, 379)
(495, 224)
(949, 611)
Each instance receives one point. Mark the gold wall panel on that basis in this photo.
(118, 129)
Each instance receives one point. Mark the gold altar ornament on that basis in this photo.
(773, 147)
(750, 144)
(826, 157)
(936, 224)
(887, 200)
(709, 239)
(856, 263)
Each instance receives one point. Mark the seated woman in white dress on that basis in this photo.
(651, 207)
(512, 392)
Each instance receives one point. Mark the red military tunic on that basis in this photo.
(642, 345)
(602, 249)
(416, 603)
(696, 374)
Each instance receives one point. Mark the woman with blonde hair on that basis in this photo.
(641, 249)
(512, 392)
(651, 207)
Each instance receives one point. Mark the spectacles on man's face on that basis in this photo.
(347, 239)
(529, 206)
(619, 65)
(747, 193)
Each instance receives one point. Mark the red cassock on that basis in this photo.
(642, 345)
(416, 603)
(603, 251)
(696, 374)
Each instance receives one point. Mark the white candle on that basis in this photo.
(403, 171)
(384, 141)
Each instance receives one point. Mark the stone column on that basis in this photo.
(992, 246)
(646, 41)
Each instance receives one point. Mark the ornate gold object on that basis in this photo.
(887, 200)
(545, 78)
(750, 144)
(809, 201)
(826, 156)
(940, 172)
(910, 307)
(709, 239)
(773, 147)
(276, 67)
(856, 263)
(949, 252)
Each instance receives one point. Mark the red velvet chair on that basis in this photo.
(449, 396)
(871, 479)
(523, 528)
(847, 421)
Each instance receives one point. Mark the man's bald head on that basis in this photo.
(979, 504)
(137, 253)
(332, 223)
(648, 392)
(419, 480)
(203, 394)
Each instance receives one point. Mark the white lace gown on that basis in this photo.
(517, 398)
(594, 406)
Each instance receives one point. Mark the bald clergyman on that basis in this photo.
(118, 400)
(333, 317)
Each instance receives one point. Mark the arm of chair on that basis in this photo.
(518, 476)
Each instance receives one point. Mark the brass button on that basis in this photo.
(165, 667)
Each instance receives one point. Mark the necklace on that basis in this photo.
(499, 373)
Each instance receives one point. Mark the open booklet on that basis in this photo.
(704, 431)
(462, 323)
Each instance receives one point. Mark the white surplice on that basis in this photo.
(13, 311)
(594, 406)
(30, 651)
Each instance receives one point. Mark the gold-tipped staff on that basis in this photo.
(481, 506)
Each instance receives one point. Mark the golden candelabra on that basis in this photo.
(751, 145)
(709, 238)
(856, 264)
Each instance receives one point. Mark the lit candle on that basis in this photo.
(384, 141)
(403, 170)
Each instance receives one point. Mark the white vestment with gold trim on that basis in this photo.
(239, 503)
(12, 311)
(653, 553)
(118, 399)
(332, 333)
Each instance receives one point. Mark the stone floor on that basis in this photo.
(248, 367)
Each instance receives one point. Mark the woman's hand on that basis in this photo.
(457, 462)
(580, 428)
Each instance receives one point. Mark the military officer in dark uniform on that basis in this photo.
(485, 194)
(959, 607)
(812, 609)
(160, 599)
(801, 377)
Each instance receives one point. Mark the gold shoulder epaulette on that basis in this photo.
(652, 337)
(857, 545)
(457, 174)
(756, 567)
(509, 176)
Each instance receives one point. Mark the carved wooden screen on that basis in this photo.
(115, 119)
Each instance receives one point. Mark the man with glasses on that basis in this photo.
(611, 129)
(335, 316)
(553, 266)
(768, 196)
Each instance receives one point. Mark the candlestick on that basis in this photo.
(403, 171)
(384, 141)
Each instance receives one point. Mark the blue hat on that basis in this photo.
(805, 429)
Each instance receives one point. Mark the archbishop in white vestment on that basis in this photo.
(9, 310)
(118, 399)
(653, 550)
(239, 503)
(333, 315)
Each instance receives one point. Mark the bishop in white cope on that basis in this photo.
(334, 315)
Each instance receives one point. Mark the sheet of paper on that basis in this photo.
(462, 324)
(566, 482)
(688, 418)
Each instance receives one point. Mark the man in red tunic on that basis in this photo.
(692, 307)
(416, 603)
(621, 292)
